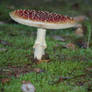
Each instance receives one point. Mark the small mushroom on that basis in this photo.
(42, 20)
(27, 87)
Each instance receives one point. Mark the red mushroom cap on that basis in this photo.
(42, 19)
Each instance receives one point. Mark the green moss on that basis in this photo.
(63, 62)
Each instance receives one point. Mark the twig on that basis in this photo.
(89, 35)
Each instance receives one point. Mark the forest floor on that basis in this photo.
(69, 66)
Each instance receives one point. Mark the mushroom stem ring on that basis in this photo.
(40, 44)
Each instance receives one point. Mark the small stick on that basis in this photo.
(89, 35)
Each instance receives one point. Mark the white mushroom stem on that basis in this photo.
(40, 44)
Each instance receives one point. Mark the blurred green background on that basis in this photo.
(68, 7)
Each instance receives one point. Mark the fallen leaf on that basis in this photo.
(70, 46)
(81, 18)
(80, 83)
(80, 43)
(17, 75)
(5, 80)
(1, 22)
(59, 80)
(5, 43)
(16, 71)
(5, 72)
(3, 49)
(89, 69)
(38, 70)
(79, 32)
(40, 61)
(59, 38)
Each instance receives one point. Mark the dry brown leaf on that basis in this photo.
(59, 38)
(38, 70)
(70, 46)
(80, 18)
(80, 43)
(60, 79)
(5, 80)
(3, 49)
(40, 61)
(79, 32)
(5, 43)
(89, 69)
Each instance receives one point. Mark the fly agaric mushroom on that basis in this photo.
(42, 20)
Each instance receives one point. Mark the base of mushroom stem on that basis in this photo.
(45, 58)
(39, 51)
